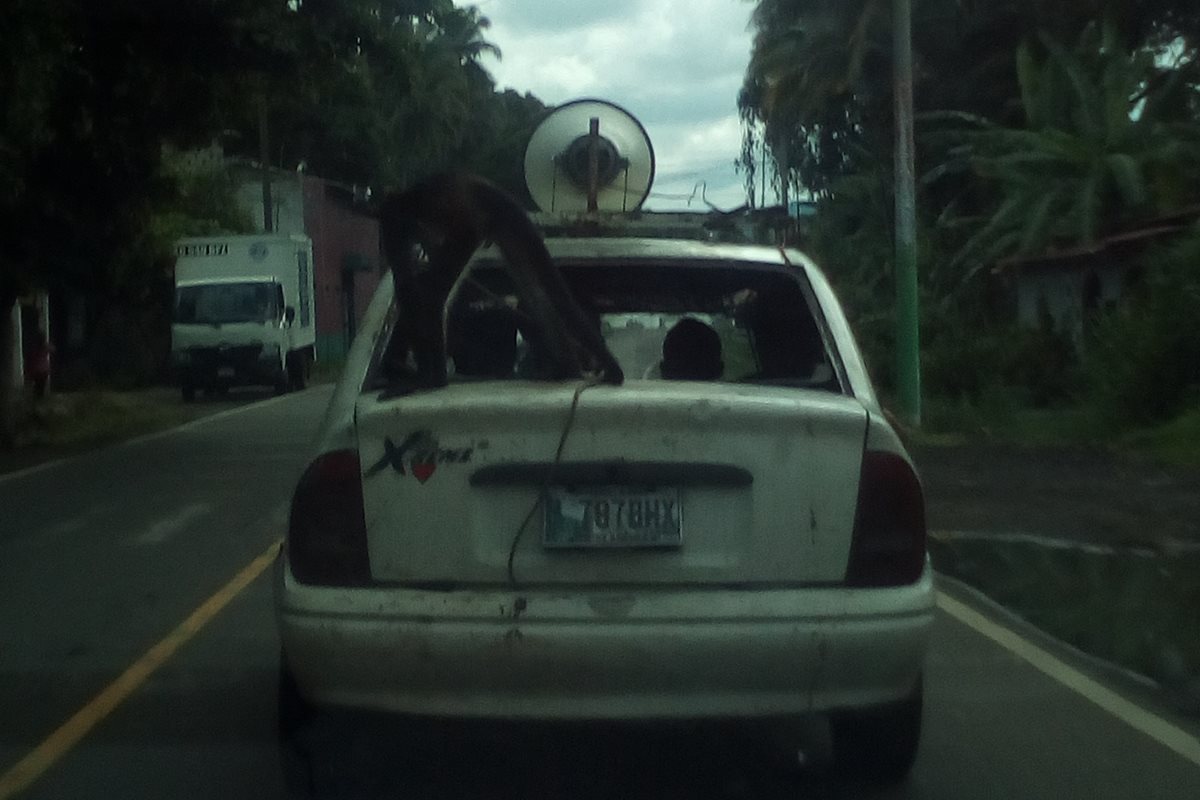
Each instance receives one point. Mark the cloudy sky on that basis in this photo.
(676, 65)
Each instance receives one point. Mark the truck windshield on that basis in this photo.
(219, 303)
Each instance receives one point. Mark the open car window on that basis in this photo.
(757, 318)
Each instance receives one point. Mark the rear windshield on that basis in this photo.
(707, 321)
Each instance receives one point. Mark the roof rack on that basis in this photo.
(641, 224)
(741, 226)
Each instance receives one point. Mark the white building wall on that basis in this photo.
(1062, 292)
(287, 199)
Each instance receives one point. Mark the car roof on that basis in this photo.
(622, 248)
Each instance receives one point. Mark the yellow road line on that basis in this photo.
(59, 743)
(1150, 724)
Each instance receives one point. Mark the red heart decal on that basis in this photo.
(424, 470)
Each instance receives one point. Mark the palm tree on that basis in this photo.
(429, 110)
(808, 52)
(462, 33)
(809, 76)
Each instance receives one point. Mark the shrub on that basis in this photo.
(1143, 361)
(1042, 363)
(967, 359)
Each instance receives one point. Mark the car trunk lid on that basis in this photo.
(739, 484)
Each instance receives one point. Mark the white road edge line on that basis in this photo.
(229, 412)
(1160, 730)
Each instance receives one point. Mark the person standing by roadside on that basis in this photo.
(38, 363)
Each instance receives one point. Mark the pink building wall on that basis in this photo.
(346, 255)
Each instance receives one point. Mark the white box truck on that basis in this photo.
(243, 313)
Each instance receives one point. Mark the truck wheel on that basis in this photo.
(879, 745)
(299, 370)
(283, 380)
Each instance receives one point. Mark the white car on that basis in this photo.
(734, 536)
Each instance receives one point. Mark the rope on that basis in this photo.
(545, 490)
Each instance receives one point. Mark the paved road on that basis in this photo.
(101, 557)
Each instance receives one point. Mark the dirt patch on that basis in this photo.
(1098, 548)
(1079, 493)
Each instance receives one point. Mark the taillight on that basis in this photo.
(327, 530)
(888, 548)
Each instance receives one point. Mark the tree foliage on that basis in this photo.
(1040, 123)
(820, 78)
(382, 92)
(1109, 138)
(373, 92)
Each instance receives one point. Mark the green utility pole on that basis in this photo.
(908, 342)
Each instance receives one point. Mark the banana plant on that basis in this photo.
(1109, 138)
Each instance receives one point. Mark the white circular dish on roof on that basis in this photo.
(557, 159)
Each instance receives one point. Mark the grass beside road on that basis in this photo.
(1136, 608)
(96, 415)
(67, 423)
(1175, 442)
(999, 420)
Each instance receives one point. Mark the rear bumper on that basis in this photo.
(619, 653)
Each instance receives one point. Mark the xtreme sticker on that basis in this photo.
(419, 453)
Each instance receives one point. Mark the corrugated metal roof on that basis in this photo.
(1152, 229)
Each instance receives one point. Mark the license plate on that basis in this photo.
(614, 516)
(224, 372)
